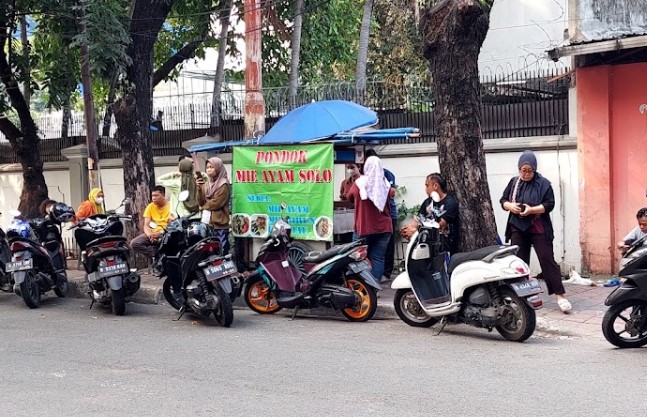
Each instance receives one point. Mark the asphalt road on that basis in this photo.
(67, 360)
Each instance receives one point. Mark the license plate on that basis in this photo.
(358, 267)
(112, 270)
(526, 287)
(215, 272)
(19, 265)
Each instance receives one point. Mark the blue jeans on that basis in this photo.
(376, 252)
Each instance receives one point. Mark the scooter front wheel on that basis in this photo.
(409, 309)
(625, 324)
(259, 297)
(167, 290)
(367, 305)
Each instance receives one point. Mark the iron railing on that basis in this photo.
(515, 105)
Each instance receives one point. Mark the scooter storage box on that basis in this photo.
(430, 279)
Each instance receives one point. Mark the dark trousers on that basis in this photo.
(544, 249)
(142, 244)
(389, 256)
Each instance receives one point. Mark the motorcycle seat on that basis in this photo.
(477, 255)
(320, 256)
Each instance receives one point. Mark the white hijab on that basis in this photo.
(372, 185)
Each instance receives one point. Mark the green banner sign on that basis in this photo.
(294, 181)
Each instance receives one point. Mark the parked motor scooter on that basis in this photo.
(339, 278)
(38, 263)
(197, 276)
(105, 257)
(487, 288)
(6, 284)
(625, 322)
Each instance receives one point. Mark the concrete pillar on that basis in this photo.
(79, 181)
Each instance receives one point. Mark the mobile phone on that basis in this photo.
(198, 174)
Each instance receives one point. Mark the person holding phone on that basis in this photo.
(178, 181)
(213, 197)
(529, 198)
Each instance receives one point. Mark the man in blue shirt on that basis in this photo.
(389, 257)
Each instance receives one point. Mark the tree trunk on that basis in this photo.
(138, 179)
(24, 141)
(133, 116)
(216, 115)
(362, 52)
(24, 39)
(67, 117)
(107, 118)
(296, 52)
(453, 32)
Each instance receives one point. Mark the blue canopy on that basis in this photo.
(318, 120)
(368, 136)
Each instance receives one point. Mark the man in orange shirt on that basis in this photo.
(159, 211)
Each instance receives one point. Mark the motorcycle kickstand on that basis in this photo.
(91, 304)
(182, 311)
(443, 323)
(294, 313)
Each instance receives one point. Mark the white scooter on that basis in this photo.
(488, 288)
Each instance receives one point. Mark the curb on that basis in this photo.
(152, 294)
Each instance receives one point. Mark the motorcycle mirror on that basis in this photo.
(184, 195)
(152, 225)
(15, 213)
(435, 196)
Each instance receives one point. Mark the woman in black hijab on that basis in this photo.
(529, 198)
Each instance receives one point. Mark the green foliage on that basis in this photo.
(395, 51)
(330, 33)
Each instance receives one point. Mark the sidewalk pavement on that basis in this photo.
(584, 320)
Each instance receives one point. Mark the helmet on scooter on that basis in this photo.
(62, 212)
(19, 228)
(196, 232)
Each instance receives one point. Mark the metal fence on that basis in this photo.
(515, 105)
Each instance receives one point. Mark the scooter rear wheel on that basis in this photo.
(30, 290)
(410, 311)
(520, 321)
(367, 305)
(630, 331)
(259, 297)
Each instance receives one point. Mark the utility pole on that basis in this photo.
(254, 103)
(88, 105)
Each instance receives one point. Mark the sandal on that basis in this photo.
(564, 305)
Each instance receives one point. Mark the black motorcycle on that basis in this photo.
(197, 276)
(38, 263)
(105, 257)
(339, 278)
(625, 322)
(6, 283)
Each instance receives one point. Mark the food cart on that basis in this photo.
(295, 178)
(298, 182)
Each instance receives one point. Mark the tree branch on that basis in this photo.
(9, 129)
(186, 52)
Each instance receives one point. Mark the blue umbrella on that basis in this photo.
(321, 119)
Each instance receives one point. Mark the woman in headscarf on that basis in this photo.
(529, 198)
(176, 182)
(213, 197)
(93, 205)
(370, 194)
